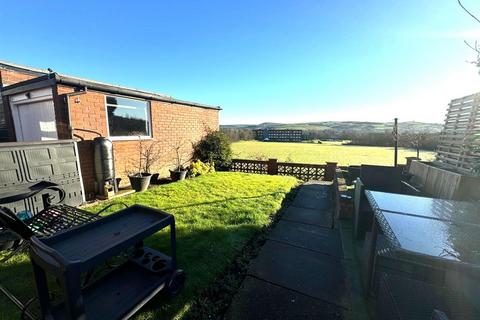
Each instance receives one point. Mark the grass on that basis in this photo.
(216, 215)
(321, 153)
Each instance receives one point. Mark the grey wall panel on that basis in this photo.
(10, 168)
(23, 164)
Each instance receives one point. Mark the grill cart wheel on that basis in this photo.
(176, 283)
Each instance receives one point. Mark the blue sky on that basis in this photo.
(282, 61)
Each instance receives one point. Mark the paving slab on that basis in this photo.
(314, 274)
(258, 299)
(319, 239)
(308, 216)
(314, 196)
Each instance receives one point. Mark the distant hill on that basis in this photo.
(362, 126)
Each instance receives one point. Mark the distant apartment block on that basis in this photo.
(279, 135)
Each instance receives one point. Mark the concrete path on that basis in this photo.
(299, 272)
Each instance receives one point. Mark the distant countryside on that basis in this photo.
(305, 152)
(344, 142)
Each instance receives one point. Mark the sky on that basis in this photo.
(261, 61)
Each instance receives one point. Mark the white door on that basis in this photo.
(34, 117)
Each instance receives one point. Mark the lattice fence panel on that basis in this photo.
(302, 171)
(459, 145)
(249, 166)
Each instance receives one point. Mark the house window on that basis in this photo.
(127, 117)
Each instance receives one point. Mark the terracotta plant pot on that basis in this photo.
(177, 175)
(140, 182)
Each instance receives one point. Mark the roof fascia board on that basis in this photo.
(54, 78)
(125, 91)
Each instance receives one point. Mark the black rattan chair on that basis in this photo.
(404, 298)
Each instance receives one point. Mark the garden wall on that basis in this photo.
(302, 171)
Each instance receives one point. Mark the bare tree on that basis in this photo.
(180, 156)
(415, 140)
(151, 154)
(475, 47)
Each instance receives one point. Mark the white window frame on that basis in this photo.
(148, 114)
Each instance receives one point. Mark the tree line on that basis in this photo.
(406, 139)
(237, 134)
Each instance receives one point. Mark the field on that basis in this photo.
(321, 153)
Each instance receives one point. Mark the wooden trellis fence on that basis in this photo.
(459, 145)
(303, 171)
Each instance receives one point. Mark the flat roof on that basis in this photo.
(50, 77)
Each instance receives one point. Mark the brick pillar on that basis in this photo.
(330, 171)
(272, 167)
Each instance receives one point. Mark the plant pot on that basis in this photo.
(140, 182)
(154, 179)
(177, 175)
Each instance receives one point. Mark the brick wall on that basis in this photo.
(9, 77)
(172, 124)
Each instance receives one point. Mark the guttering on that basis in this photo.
(92, 85)
(54, 78)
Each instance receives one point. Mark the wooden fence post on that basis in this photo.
(272, 167)
(330, 171)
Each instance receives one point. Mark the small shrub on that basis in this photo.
(214, 148)
(197, 168)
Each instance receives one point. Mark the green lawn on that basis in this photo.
(321, 153)
(215, 214)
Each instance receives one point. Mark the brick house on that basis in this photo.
(43, 105)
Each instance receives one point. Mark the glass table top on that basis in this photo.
(447, 210)
(432, 237)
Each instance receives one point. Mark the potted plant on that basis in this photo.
(179, 171)
(151, 155)
(140, 179)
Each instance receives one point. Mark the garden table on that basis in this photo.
(440, 209)
(434, 230)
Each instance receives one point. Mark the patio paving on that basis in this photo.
(307, 236)
(258, 299)
(299, 272)
(307, 216)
